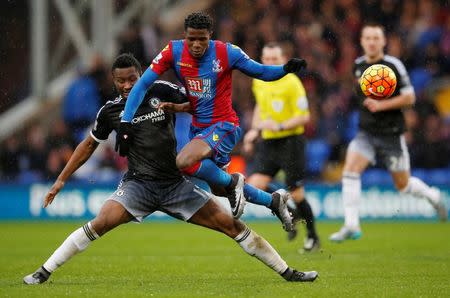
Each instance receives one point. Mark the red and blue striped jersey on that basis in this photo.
(207, 79)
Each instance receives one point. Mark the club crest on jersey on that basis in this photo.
(154, 102)
(215, 137)
(216, 65)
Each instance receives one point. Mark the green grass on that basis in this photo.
(173, 259)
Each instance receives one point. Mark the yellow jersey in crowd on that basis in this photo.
(281, 100)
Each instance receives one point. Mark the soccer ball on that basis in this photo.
(378, 81)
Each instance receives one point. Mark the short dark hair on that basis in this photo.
(274, 45)
(126, 60)
(373, 24)
(198, 20)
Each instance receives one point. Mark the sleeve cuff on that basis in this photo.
(97, 139)
(407, 89)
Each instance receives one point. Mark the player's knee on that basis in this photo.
(400, 184)
(180, 161)
(103, 224)
(184, 161)
(351, 167)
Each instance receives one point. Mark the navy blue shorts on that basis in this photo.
(221, 138)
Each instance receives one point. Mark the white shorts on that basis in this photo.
(391, 151)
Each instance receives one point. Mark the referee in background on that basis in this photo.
(280, 114)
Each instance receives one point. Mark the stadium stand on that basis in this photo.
(319, 31)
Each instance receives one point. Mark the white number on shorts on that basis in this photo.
(397, 163)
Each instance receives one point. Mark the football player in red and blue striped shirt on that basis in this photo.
(204, 66)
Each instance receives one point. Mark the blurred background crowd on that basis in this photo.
(325, 33)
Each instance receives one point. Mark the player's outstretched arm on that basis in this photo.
(256, 70)
(260, 71)
(124, 133)
(81, 154)
(137, 94)
(271, 72)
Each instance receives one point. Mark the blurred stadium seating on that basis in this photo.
(319, 31)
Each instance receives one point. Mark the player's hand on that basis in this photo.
(249, 140)
(175, 107)
(56, 187)
(295, 65)
(168, 107)
(270, 125)
(372, 105)
(124, 138)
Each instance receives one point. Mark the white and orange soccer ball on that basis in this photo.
(378, 81)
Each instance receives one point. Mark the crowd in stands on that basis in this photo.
(325, 33)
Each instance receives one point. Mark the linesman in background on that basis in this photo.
(280, 114)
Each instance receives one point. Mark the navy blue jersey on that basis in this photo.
(386, 122)
(153, 151)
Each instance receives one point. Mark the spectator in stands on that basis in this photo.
(132, 42)
(434, 151)
(10, 153)
(83, 99)
(35, 154)
(60, 145)
(59, 136)
(325, 33)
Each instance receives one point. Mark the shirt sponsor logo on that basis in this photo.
(199, 87)
(154, 116)
(195, 85)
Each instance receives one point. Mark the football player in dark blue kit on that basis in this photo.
(153, 181)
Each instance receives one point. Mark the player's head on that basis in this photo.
(272, 54)
(373, 40)
(126, 70)
(197, 32)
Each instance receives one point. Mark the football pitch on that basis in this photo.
(173, 259)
